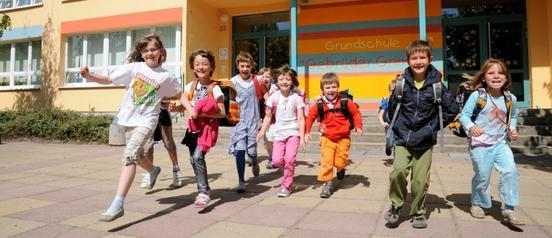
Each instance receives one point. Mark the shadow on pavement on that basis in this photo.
(463, 202)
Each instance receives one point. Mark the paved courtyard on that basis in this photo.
(59, 190)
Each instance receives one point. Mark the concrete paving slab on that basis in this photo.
(69, 186)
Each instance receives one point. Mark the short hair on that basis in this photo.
(329, 78)
(244, 56)
(418, 46)
(285, 69)
(205, 54)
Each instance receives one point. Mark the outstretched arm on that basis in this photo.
(101, 79)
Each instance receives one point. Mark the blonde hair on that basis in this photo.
(478, 79)
(329, 78)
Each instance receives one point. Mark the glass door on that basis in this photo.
(473, 33)
(265, 36)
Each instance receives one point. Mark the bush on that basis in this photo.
(55, 124)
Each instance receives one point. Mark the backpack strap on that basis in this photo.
(398, 93)
(210, 87)
(320, 107)
(258, 89)
(480, 103)
(509, 103)
(344, 104)
(192, 89)
(437, 99)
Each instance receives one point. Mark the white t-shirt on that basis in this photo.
(201, 91)
(146, 88)
(286, 124)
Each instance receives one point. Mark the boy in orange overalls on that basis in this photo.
(335, 140)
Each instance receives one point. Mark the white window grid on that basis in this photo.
(11, 4)
(28, 74)
(106, 69)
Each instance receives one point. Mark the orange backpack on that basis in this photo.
(231, 107)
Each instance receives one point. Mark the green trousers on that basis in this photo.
(420, 162)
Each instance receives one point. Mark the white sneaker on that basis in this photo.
(176, 179)
(145, 180)
(153, 177)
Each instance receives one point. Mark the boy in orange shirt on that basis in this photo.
(335, 140)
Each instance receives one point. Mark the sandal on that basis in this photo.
(201, 200)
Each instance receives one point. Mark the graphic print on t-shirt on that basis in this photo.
(143, 93)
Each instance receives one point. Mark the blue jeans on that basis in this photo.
(483, 159)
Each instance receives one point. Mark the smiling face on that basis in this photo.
(330, 90)
(495, 77)
(151, 54)
(285, 82)
(419, 62)
(244, 69)
(202, 67)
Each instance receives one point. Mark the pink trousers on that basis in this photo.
(284, 155)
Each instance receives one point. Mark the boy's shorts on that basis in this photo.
(139, 144)
(269, 135)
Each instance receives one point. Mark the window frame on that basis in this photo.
(12, 74)
(15, 4)
(105, 68)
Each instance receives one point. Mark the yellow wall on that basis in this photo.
(201, 33)
(539, 28)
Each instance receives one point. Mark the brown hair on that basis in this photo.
(418, 46)
(264, 70)
(205, 54)
(285, 69)
(245, 57)
(478, 79)
(136, 54)
(329, 78)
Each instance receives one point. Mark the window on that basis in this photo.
(20, 65)
(6, 4)
(105, 52)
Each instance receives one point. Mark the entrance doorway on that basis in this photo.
(474, 31)
(265, 36)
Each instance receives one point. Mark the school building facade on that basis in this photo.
(363, 41)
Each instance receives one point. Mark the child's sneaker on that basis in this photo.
(510, 218)
(110, 217)
(284, 192)
(341, 174)
(153, 177)
(477, 212)
(241, 187)
(176, 179)
(269, 165)
(326, 191)
(145, 180)
(202, 200)
(392, 216)
(419, 222)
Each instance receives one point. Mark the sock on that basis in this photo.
(115, 206)
(240, 164)
(176, 168)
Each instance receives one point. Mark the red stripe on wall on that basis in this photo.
(123, 21)
(367, 32)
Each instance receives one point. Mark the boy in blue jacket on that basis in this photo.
(415, 131)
